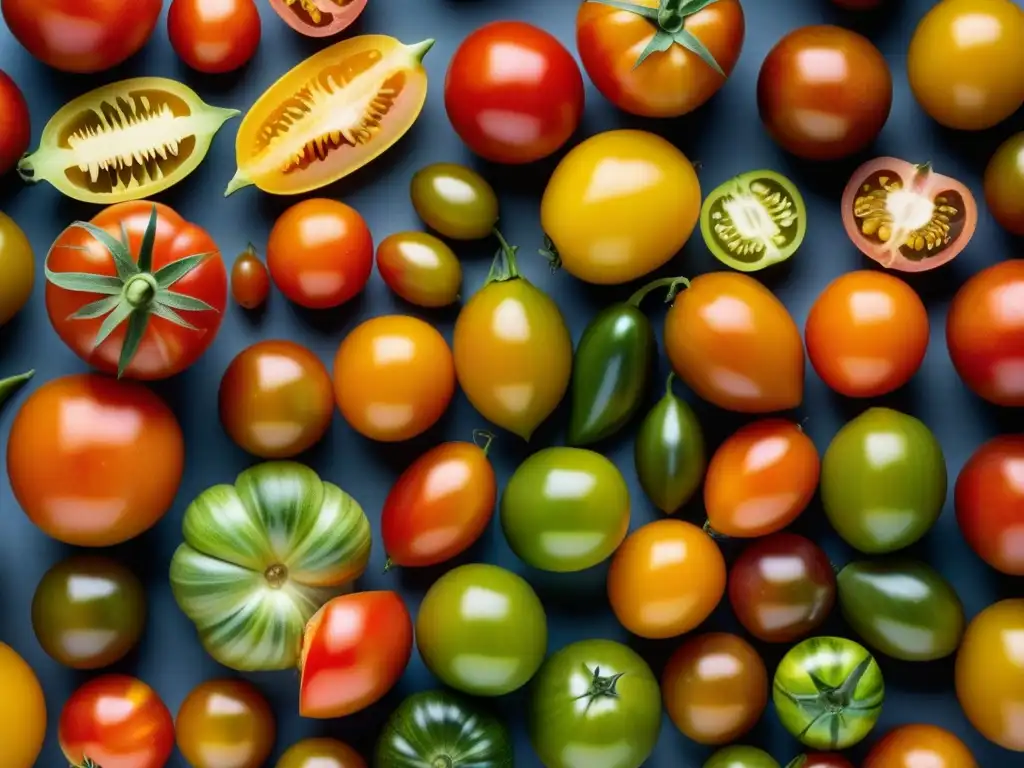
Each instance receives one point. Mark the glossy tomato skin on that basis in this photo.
(454, 201)
(824, 92)
(318, 18)
(320, 253)
(17, 268)
(15, 123)
(989, 503)
(320, 753)
(919, 745)
(513, 92)
(1004, 184)
(820, 760)
(250, 281)
(22, 711)
(94, 461)
(225, 724)
(116, 721)
(420, 268)
(214, 38)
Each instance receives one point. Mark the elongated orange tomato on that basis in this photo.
(331, 115)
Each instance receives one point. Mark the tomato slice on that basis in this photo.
(754, 220)
(907, 217)
(318, 18)
(331, 115)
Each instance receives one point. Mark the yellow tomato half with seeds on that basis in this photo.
(22, 711)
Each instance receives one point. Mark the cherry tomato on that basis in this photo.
(1004, 184)
(353, 651)
(22, 711)
(919, 746)
(17, 268)
(320, 753)
(668, 82)
(318, 18)
(454, 201)
(116, 721)
(214, 37)
(665, 579)
(94, 461)
(276, 399)
(715, 688)
(820, 760)
(320, 253)
(420, 268)
(250, 281)
(513, 93)
(989, 501)
(867, 334)
(15, 123)
(225, 724)
(824, 92)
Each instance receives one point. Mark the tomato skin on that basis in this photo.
(214, 38)
(17, 268)
(821, 760)
(454, 201)
(22, 711)
(320, 753)
(15, 123)
(989, 503)
(919, 745)
(225, 724)
(335, 16)
(76, 444)
(1004, 184)
(420, 268)
(513, 93)
(250, 281)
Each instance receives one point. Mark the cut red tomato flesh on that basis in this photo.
(318, 18)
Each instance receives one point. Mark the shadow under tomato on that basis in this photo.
(995, 418)
(419, 580)
(907, 399)
(871, 23)
(335, 322)
(974, 148)
(825, 178)
(582, 592)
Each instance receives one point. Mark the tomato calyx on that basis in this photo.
(483, 440)
(87, 762)
(9, 385)
(711, 532)
(504, 267)
(674, 285)
(830, 701)
(600, 686)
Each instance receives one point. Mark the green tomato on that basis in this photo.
(883, 481)
(828, 692)
(594, 704)
(902, 608)
(261, 557)
(437, 728)
(565, 509)
(741, 757)
(420, 268)
(482, 630)
(454, 201)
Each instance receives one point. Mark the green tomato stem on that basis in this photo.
(389, 564)
(712, 532)
(9, 385)
(672, 15)
(668, 384)
(673, 283)
(140, 290)
(483, 440)
(504, 267)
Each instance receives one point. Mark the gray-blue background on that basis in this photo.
(726, 138)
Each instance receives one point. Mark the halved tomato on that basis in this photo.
(318, 18)
(331, 115)
(907, 217)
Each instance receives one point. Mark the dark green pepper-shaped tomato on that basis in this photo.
(669, 452)
(883, 481)
(902, 608)
(740, 756)
(437, 728)
(454, 201)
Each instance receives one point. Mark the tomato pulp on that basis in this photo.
(319, 18)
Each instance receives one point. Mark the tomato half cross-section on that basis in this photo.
(318, 18)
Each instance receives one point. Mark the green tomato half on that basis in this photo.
(261, 557)
(740, 756)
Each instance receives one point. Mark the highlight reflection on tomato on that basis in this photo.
(250, 281)
(320, 753)
(225, 724)
(214, 38)
(989, 502)
(914, 746)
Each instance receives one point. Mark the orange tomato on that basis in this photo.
(22, 711)
(225, 724)
(920, 746)
(214, 37)
(760, 479)
(665, 579)
(250, 281)
(393, 378)
(321, 753)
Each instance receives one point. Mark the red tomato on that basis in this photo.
(250, 281)
(989, 500)
(318, 18)
(320, 253)
(513, 93)
(15, 124)
(82, 35)
(920, 746)
(116, 721)
(821, 760)
(353, 651)
(214, 37)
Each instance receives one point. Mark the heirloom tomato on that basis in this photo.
(919, 746)
(225, 724)
(116, 721)
(138, 290)
(22, 711)
(741, 757)
(1004, 185)
(318, 18)
(822, 760)
(420, 268)
(214, 37)
(17, 268)
(94, 461)
(15, 123)
(454, 201)
(250, 281)
(989, 502)
(659, 58)
(320, 753)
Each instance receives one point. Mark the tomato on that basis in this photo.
(782, 588)
(989, 501)
(910, 746)
(824, 92)
(594, 704)
(665, 579)
(715, 687)
(393, 378)
(320, 753)
(318, 18)
(647, 64)
(985, 334)
(116, 721)
(482, 630)
(420, 268)
(250, 281)
(147, 308)
(94, 461)
(867, 334)
(22, 711)
(513, 93)
(225, 724)
(454, 201)
(214, 38)
(741, 757)
(17, 268)
(959, 78)
(15, 123)
(821, 760)
(440, 505)
(354, 650)
(735, 344)
(611, 228)
(88, 612)
(276, 399)
(1004, 184)
(320, 253)
(990, 673)
(73, 36)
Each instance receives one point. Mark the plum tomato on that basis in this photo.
(320, 253)
(911, 746)
(276, 399)
(319, 18)
(906, 217)
(225, 724)
(867, 334)
(15, 123)
(989, 503)
(959, 58)
(17, 268)
(454, 201)
(513, 93)
(715, 688)
(659, 64)
(782, 588)
(22, 711)
(214, 38)
(320, 753)
(1004, 184)
(250, 281)
(393, 378)
(94, 461)
(821, 760)
(665, 579)
(116, 721)
(824, 92)
(420, 268)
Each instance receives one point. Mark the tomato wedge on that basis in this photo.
(906, 217)
(331, 115)
(318, 18)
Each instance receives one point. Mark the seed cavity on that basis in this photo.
(319, 13)
(755, 221)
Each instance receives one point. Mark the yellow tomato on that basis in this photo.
(22, 711)
(620, 205)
